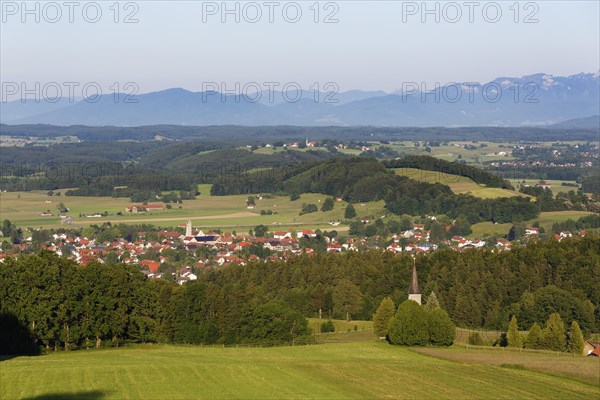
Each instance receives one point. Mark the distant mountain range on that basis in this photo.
(533, 100)
(592, 122)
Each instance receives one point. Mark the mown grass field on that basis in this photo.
(583, 369)
(365, 370)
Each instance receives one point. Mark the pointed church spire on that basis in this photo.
(414, 283)
(413, 291)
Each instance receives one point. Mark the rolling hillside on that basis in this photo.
(458, 184)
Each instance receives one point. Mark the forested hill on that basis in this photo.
(364, 179)
(435, 164)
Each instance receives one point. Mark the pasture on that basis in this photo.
(482, 229)
(546, 219)
(458, 184)
(362, 370)
(226, 212)
(456, 150)
(555, 185)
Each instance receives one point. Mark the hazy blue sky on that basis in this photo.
(370, 47)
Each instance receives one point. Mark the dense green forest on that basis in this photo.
(66, 305)
(95, 168)
(591, 184)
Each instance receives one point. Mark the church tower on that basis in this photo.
(188, 228)
(413, 292)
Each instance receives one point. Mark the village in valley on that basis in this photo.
(178, 254)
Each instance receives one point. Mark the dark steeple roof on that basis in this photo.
(414, 283)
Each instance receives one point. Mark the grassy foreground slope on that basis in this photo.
(349, 371)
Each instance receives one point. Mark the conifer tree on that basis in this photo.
(432, 302)
(442, 331)
(534, 337)
(575, 339)
(383, 316)
(554, 333)
(350, 212)
(409, 327)
(513, 336)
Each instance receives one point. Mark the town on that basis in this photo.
(178, 254)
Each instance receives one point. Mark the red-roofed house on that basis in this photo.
(306, 233)
(281, 235)
(153, 266)
(589, 346)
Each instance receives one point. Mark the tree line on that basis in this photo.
(65, 305)
(552, 337)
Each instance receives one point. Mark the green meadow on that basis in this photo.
(546, 219)
(482, 229)
(360, 370)
(458, 184)
(555, 185)
(229, 212)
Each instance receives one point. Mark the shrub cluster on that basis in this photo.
(414, 325)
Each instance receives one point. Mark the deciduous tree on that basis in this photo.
(327, 204)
